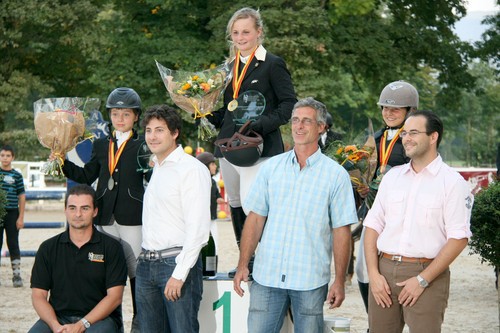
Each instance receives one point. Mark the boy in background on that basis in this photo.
(11, 181)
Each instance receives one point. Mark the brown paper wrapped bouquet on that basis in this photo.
(60, 126)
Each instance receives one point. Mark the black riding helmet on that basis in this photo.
(206, 158)
(329, 120)
(124, 98)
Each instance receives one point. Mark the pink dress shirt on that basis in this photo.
(416, 213)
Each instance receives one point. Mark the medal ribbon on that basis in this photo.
(114, 158)
(385, 152)
(238, 79)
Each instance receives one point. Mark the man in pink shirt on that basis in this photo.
(419, 224)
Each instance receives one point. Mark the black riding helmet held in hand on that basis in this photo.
(124, 98)
(244, 148)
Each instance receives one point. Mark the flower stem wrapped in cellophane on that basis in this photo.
(60, 126)
(196, 92)
(360, 160)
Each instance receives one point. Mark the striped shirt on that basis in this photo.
(12, 183)
(302, 207)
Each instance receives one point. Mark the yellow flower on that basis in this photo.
(196, 77)
(186, 86)
(350, 148)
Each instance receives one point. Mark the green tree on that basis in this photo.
(488, 48)
(342, 52)
(471, 130)
(47, 49)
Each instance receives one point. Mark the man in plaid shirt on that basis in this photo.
(301, 207)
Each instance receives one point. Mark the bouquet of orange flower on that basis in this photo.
(60, 126)
(360, 160)
(196, 93)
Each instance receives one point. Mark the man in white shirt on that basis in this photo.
(176, 225)
(418, 225)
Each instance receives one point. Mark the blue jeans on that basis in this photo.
(268, 307)
(155, 313)
(107, 325)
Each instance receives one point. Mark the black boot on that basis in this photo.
(135, 319)
(238, 218)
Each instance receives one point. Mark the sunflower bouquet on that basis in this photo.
(196, 92)
(60, 126)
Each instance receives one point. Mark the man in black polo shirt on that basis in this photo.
(84, 270)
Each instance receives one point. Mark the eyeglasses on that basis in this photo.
(304, 121)
(411, 134)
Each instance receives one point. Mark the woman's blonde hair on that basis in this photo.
(243, 13)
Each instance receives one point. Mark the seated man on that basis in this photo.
(84, 270)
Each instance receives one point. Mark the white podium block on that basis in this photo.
(223, 311)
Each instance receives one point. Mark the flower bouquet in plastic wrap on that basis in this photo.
(360, 160)
(60, 126)
(196, 92)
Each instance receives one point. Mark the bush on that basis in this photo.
(485, 224)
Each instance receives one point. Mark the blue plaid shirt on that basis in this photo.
(302, 207)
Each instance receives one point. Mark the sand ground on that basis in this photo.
(472, 307)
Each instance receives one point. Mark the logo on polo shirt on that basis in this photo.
(96, 257)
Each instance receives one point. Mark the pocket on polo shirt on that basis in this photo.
(428, 210)
(395, 201)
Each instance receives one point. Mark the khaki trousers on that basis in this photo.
(426, 316)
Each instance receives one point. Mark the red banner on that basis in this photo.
(478, 178)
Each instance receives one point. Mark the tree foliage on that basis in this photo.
(342, 52)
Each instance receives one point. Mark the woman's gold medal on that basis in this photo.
(232, 105)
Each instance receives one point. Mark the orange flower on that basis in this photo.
(205, 86)
(186, 86)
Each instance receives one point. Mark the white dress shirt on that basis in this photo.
(176, 209)
(121, 137)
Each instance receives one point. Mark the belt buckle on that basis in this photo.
(151, 255)
(397, 258)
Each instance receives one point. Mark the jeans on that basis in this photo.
(155, 313)
(268, 307)
(107, 325)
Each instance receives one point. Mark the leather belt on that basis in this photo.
(157, 255)
(396, 257)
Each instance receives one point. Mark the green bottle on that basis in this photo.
(209, 258)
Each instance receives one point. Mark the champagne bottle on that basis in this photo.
(209, 258)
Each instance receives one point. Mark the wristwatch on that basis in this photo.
(422, 282)
(85, 323)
